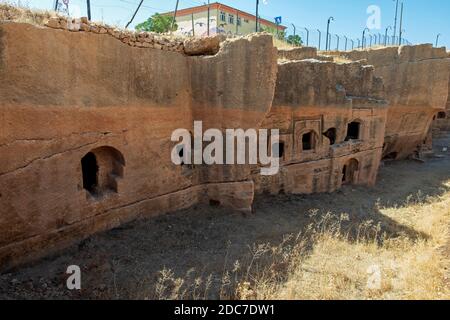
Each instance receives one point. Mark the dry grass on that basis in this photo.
(340, 59)
(9, 12)
(340, 267)
(336, 259)
(281, 44)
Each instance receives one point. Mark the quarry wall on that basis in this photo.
(416, 84)
(442, 118)
(314, 116)
(65, 94)
(76, 104)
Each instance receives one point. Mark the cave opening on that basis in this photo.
(331, 135)
(90, 172)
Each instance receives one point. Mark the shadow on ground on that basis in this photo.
(124, 263)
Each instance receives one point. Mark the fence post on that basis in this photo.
(88, 3)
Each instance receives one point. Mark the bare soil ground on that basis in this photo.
(125, 263)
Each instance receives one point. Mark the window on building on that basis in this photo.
(278, 150)
(441, 115)
(353, 131)
(223, 16)
(246, 21)
(239, 21)
(231, 19)
(308, 141)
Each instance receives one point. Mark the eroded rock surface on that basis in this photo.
(86, 119)
(416, 82)
(203, 46)
(442, 118)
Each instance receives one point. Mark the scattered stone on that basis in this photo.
(53, 23)
(74, 26)
(94, 29)
(203, 46)
(63, 23)
(85, 27)
(139, 40)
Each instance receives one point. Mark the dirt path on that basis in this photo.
(124, 263)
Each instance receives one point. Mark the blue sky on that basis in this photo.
(423, 19)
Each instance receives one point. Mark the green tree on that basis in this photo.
(281, 35)
(295, 40)
(157, 23)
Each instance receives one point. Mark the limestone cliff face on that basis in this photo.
(448, 97)
(442, 119)
(86, 119)
(300, 53)
(235, 88)
(69, 97)
(315, 83)
(315, 104)
(416, 84)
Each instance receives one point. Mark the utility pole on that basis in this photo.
(257, 15)
(395, 22)
(56, 5)
(401, 26)
(88, 4)
(209, 17)
(175, 15)
(134, 15)
(386, 36)
(437, 39)
(337, 37)
(400, 39)
(328, 31)
(307, 37)
(193, 25)
(320, 37)
(295, 29)
(353, 43)
(346, 41)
